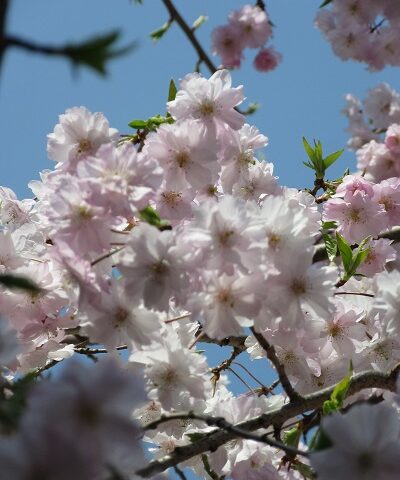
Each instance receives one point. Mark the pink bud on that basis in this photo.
(267, 59)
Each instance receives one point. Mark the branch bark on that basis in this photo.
(176, 16)
(271, 354)
(278, 416)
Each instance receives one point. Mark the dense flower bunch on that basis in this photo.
(374, 126)
(189, 237)
(248, 27)
(364, 30)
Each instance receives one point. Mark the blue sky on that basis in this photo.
(303, 96)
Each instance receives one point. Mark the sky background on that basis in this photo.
(303, 96)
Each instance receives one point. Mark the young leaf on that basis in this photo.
(149, 215)
(291, 437)
(160, 32)
(330, 246)
(199, 22)
(358, 256)
(329, 225)
(172, 91)
(138, 124)
(331, 159)
(95, 52)
(320, 441)
(345, 252)
(307, 164)
(309, 150)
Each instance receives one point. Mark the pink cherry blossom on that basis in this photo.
(211, 101)
(267, 59)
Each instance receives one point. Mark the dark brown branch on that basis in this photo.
(3, 23)
(235, 342)
(271, 354)
(11, 41)
(277, 416)
(221, 423)
(177, 17)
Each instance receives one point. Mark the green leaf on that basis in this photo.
(358, 256)
(330, 406)
(199, 22)
(20, 283)
(307, 164)
(325, 3)
(305, 470)
(172, 91)
(292, 437)
(149, 215)
(331, 159)
(160, 32)
(138, 124)
(96, 51)
(330, 246)
(320, 441)
(345, 252)
(338, 395)
(252, 108)
(309, 150)
(329, 225)
(209, 470)
(340, 391)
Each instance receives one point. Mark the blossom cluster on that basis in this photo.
(369, 118)
(363, 30)
(248, 27)
(154, 248)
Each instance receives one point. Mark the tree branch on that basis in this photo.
(277, 416)
(221, 423)
(176, 16)
(271, 354)
(3, 22)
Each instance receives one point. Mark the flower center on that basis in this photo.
(172, 198)
(84, 213)
(84, 146)
(182, 159)
(206, 108)
(354, 215)
(225, 237)
(335, 330)
(120, 317)
(274, 240)
(159, 268)
(298, 287)
(224, 296)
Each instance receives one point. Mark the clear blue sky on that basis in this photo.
(303, 96)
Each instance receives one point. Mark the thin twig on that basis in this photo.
(241, 379)
(273, 358)
(106, 255)
(180, 473)
(356, 293)
(250, 374)
(176, 16)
